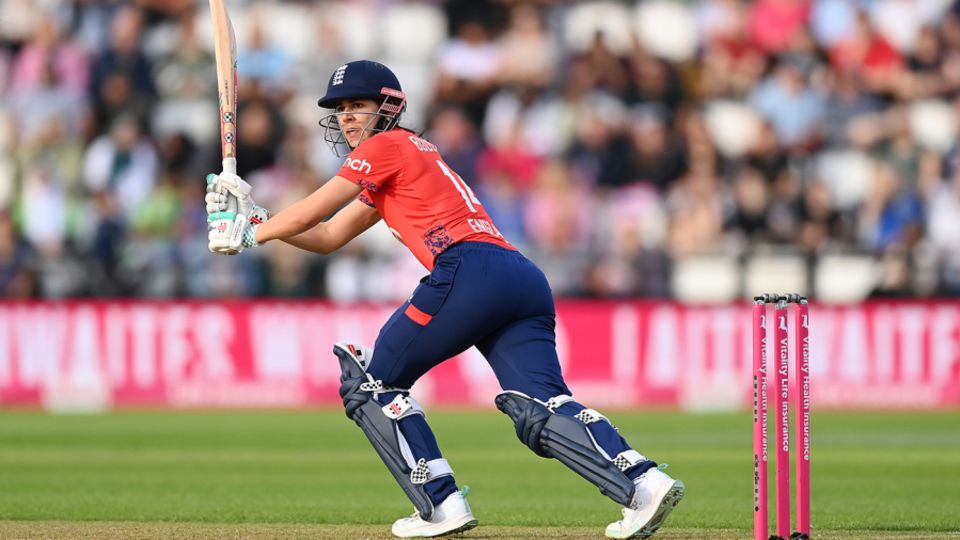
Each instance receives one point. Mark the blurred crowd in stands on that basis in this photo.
(611, 141)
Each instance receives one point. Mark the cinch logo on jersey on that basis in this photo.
(359, 165)
(338, 75)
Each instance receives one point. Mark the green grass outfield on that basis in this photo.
(311, 474)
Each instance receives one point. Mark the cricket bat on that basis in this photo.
(225, 52)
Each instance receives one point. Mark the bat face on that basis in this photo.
(225, 51)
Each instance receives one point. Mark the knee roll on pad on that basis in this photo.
(568, 440)
(529, 419)
(352, 396)
(379, 423)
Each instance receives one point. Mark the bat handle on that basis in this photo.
(230, 165)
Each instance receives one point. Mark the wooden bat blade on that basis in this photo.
(225, 52)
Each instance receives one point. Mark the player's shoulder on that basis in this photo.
(398, 139)
(407, 139)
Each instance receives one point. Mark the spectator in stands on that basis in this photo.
(458, 141)
(528, 55)
(124, 163)
(869, 55)
(44, 205)
(655, 156)
(653, 81)
(609, 70)
(846, 105)
(835, 83)
(187, 100)
(943, 227)
(122, 74)
(468, 69)
(752, 202)
(262, 60)
(627, 248)
(774, 24)
(106, 248)
(47, 50)
(892, 216)
(697, 206)
(793, 108)
(927, 76)
(48, 108)
(260, 125)
(599, 146)
(558, 218)
(820, 223)
(17, 262)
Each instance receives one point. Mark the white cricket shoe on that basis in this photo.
(453, 515)
(655, 497)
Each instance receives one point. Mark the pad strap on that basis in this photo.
(627, 459)
(426, 471)
(555, 402)
(589, 416)
(376, 387)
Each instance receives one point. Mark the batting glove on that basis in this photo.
(233, 185)
(218, 196)
(232, 216)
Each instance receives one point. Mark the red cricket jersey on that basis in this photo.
(425, 203)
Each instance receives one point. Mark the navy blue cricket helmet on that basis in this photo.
(359, 79)
(362, 79)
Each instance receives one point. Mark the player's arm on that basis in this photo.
(345, 225)
(307, 213)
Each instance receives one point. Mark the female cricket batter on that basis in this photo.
(480, 292)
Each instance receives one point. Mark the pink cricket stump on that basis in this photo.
(802, 406)
(782, 414)
(760, 526)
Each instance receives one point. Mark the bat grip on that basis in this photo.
(230, 165)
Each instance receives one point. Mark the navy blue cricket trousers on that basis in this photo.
(482, 295)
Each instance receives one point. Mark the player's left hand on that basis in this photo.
(221, 192)
(216, 197)
(232, 185)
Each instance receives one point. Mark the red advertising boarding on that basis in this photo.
(615, 354)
